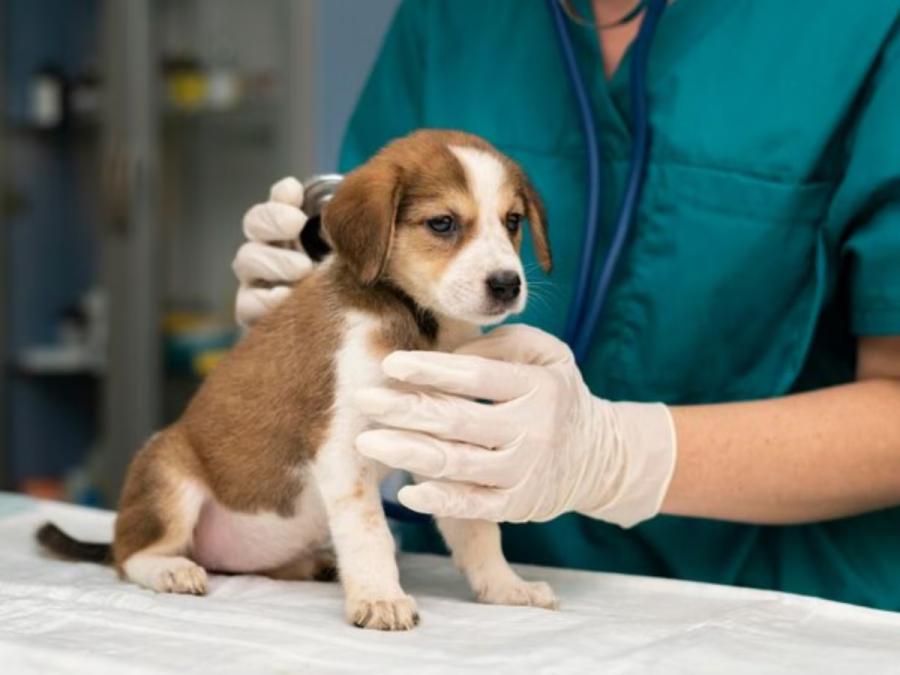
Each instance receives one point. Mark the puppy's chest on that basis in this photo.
(367, 339)
(358, 358)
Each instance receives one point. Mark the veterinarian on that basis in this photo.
(754, 317)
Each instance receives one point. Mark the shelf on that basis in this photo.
(53, 375)
(53, 360)
(78, 125)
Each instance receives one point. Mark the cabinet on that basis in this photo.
(198, 108)
(204, 109)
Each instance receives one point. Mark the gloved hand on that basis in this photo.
(271, 260)
(545, 447)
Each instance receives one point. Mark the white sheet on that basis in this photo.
(67, 617)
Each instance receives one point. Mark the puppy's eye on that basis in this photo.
(443, 225)
(513, 222)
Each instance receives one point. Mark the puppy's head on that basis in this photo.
(440, 215)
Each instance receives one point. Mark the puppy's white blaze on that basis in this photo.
(463, 289)
(485, 176)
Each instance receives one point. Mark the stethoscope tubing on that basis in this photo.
(582, 321)
(592, 144)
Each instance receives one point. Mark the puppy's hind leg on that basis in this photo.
(476, 549)
(155, 527)
(319, 565)
(161, 565)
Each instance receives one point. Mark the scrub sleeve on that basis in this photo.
(868, 199)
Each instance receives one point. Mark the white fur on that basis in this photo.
(348, 484)
(485, 175)
(166, 573)
(455, 333)
(476, 549)
(228, 541)
(463, 287)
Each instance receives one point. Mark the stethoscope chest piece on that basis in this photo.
(317, 191)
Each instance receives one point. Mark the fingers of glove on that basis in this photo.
(252, 303)
(455, 500)
(273, 221)
(518, 343)
(432, 457)
(287, 191)
(464, 375)
(260, 262)
(448, 417)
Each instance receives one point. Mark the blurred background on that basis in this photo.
(134, 135)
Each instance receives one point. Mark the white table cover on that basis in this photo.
(59, 617)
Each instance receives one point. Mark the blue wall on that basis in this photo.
(350, 34)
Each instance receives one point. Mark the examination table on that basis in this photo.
(78, 618)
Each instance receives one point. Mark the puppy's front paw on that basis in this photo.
(383, 614)
(520, 593)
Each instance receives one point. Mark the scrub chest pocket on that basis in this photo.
(720, 290)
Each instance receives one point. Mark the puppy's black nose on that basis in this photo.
(504, 286)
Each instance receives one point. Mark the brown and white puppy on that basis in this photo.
(260, 474)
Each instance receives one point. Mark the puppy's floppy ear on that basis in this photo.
(359, 220)
(537, 220)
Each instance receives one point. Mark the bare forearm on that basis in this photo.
(806, 457)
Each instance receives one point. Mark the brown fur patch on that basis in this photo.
(143, 505)
(359, 221)
(408, 181)
(267, 407)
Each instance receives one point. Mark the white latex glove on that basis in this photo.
(545, 447)
(271, 260)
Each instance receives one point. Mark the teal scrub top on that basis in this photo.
(767, 239)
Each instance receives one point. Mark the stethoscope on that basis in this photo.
(585, 311)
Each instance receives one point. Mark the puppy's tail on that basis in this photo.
(59, 543)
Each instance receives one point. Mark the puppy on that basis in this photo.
(260, 474)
